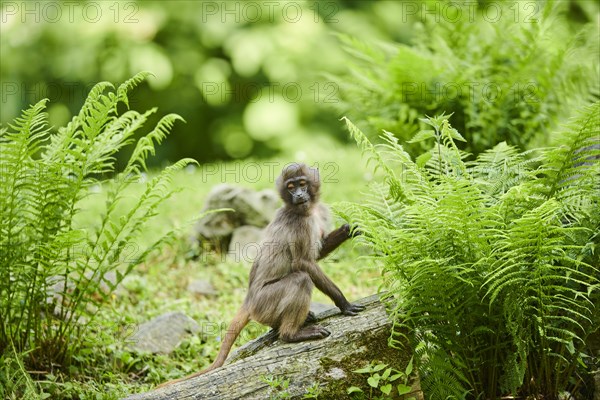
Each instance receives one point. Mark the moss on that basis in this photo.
(378, 351)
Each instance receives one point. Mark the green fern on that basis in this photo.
(502, 80)
(44, 179)
(491, 264)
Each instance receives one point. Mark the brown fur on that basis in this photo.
(285, 270)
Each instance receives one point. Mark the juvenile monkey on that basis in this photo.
(285, 269)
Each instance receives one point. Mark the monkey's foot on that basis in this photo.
(310, 318)
(313, 332)
(351, 309)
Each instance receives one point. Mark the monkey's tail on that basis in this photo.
(240, 320)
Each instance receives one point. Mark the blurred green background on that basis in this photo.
(253, 78)
(246, 76)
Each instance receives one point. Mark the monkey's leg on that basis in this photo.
(284, 305)
(310, 318)
(293, 308)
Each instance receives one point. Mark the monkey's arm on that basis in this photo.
(326, 285)
(335, 238)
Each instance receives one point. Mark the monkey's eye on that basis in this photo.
(302, 183)
(290, 186)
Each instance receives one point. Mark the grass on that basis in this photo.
(108, 369)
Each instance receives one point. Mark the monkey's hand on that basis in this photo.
(351, 309)
(351, 232)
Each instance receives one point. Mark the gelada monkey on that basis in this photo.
(285, 269)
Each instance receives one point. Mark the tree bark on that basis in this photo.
(354, 342)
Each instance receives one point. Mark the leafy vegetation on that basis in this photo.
(492, 263)
(53, 269)
(508, 78)
(279, 388)
(383, 380)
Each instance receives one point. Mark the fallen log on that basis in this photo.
(324, 365)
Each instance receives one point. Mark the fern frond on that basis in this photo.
(129, 85)
(395, 185)
(576, 159)
(536, 273)
(501, 168)
(19, 175)
(145, 145)
(447, 381)
(41, 187)
(30, 129)
(489, 268)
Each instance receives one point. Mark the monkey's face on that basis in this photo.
(298, 190)
(299, 186)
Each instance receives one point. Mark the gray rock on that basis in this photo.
(244, 243)
(162, 334)
(269, 202)
(201, 287)
(336, 374)
(55, 288)
(249, 208)
(109, 280)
